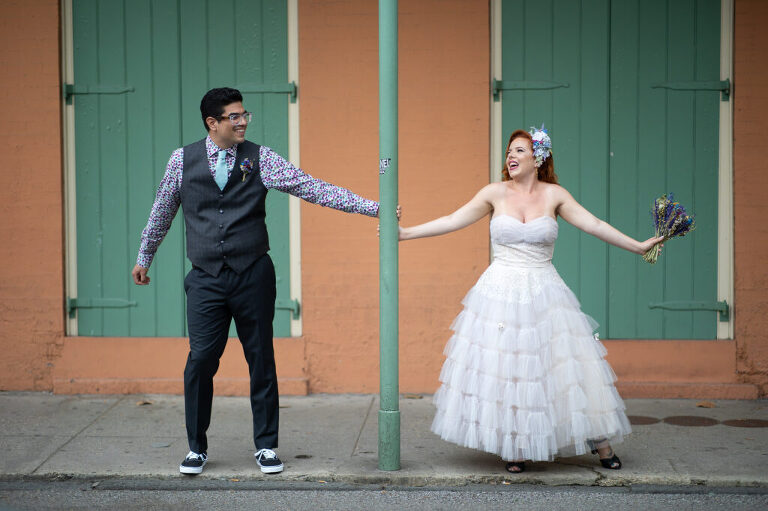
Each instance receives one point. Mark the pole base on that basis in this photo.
(389, 440)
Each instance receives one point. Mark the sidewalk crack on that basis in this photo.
(362, 426)
(62, 446)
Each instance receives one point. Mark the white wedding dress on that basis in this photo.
(524, 376)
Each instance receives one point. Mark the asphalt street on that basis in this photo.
(142, 494)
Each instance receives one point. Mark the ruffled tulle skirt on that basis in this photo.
(524, 375)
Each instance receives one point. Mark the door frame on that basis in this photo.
(70, 184)
(725, 261)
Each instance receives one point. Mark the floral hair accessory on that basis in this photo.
(246, 167)
(542, 144)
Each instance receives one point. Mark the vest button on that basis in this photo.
(221, 195)
(222, 242)
(221, 226)
(221, 211)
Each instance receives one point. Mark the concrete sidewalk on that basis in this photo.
(333, 438)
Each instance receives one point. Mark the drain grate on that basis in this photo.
(690, 420)
(642, 420)
(746, 423)
(695, 420)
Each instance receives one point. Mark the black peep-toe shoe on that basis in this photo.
(519, 465)
(613, 463)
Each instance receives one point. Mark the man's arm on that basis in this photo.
(280, 174)
(164, 209)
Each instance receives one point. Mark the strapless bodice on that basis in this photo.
(523, 244)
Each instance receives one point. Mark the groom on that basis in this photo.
(222, 182)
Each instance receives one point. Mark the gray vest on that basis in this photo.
(223, 226)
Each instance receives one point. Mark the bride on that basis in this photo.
(524, 376)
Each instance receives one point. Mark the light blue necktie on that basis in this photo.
(221, 170)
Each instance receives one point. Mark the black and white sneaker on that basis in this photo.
(193, 463)
(268, 461)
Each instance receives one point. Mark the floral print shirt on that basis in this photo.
(276, 173)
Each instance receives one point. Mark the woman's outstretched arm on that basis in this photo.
(578, 216)
(469, 213)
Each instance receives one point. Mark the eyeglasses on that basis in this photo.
(237, 118)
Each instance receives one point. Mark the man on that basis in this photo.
(222, 182)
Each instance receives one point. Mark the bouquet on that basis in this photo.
(670, 220)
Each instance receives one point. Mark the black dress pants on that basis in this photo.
(212, 303)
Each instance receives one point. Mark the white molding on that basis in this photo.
(725, 267)
(495, 106)
(294, 204)
(68, 164)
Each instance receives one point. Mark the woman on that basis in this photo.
(524, 376)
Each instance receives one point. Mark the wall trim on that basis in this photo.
(725, 259)
(294, 203)
(495, 106)
(68, 165)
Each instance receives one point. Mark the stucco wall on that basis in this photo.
(750, 127)
(443, 148)
(31, 282)
(444, 55)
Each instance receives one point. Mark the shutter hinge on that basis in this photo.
(260, 88)
(724, 86)
(97, 303)
(721, 307)
(499, 85)
(70, 90)
(291, 305)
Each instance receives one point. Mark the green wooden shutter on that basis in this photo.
(591, 71)
(166, 55)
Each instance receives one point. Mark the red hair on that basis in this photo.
(546, 172)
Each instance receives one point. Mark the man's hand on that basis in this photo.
(139, 275)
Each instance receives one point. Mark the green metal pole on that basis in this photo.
(389, 412)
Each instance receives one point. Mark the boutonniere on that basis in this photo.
(246, 167)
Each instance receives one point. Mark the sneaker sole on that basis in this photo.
(191, 470)
(272, 470)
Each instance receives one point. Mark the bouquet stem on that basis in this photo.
(652, 255)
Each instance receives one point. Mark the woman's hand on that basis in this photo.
(398, 213)
(648, 244)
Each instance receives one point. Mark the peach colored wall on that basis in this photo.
(750, 127)
(443, 149)
(31, 282)
(444, 143)
(115, 365)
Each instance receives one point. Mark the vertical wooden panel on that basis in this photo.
(705, 192)
(563, 126)
(112, 158)
(650, 178)
(593, 155)
(140, 135)
(89, 230)
(680, 159)
(194, 68)
(274, 46)
(194, 78)
(514, 53)
(569, 45)
(624, 205)
(168, 266)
